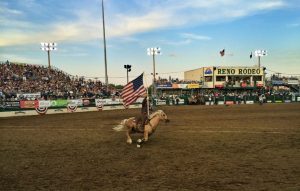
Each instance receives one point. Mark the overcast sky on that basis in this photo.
(190, 33)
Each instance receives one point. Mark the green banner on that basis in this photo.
(59, 103)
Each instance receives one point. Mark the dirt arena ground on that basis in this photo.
(239, 147)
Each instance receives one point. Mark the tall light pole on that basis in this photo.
(46, 46)
(260, 53)
(153, 52)
(104, 43)
(128, 69)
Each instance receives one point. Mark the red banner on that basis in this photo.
(29, 104)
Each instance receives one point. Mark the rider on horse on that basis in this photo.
(144, 118)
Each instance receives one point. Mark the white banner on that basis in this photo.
(114, 101)
(110, 101)
(220, 102)
(75, 102)
(99, 102)
(44, 103)
(30, 95)
(293, 82)
(209, 103)
(160, 102)
(181, 101)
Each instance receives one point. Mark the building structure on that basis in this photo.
(225, 77)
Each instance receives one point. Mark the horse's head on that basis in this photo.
(163, 116)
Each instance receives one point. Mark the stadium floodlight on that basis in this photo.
(128, 69)
(46, 46)
(260, 53)
(152, 52)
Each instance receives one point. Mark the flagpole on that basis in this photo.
(148, 109)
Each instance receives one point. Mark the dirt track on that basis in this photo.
(240, 147)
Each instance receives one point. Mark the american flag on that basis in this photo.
(133, 90)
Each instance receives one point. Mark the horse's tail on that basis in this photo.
(121, 126)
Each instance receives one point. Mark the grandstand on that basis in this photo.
(228, 77)
(21, 81)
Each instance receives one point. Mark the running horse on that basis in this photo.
(131, 126)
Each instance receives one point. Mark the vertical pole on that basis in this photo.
(154, 79)
(299, 90)
(213, 77)
(49, 67)
(104, 42)
(259, 61)
(148, 105)
(154, 67)
(127, 75)
(264, 80)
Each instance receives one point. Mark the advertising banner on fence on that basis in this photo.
(162, 86)
(111, 101)
(250, 102)
(75, 102)
(29, 104)
(193, 86)
(176, 86)
(59, 103)
(99, 102)
(180, 101)
(44, 103)
(179, 86)
(29, 95)
(103, 102)
(88, 102)
(10, 105)
(160, 102)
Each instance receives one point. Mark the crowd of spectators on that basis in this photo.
(17, 80)
(214, 95)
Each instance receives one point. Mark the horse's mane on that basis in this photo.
(155, 113)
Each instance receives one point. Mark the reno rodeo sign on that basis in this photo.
(239, 71)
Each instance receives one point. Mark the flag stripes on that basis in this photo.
(133, 90)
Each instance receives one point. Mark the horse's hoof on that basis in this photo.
(129, 142)
(139, 140)
(138, 146)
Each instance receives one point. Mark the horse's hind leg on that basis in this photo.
(129, 140)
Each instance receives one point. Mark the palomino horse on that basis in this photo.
(131, 127)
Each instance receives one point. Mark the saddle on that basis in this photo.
(139, 124)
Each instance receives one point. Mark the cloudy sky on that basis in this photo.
(190, 34)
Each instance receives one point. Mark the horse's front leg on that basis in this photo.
(129, 140)
(146, 135)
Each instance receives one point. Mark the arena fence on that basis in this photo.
(220, 100)
(41, 107)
